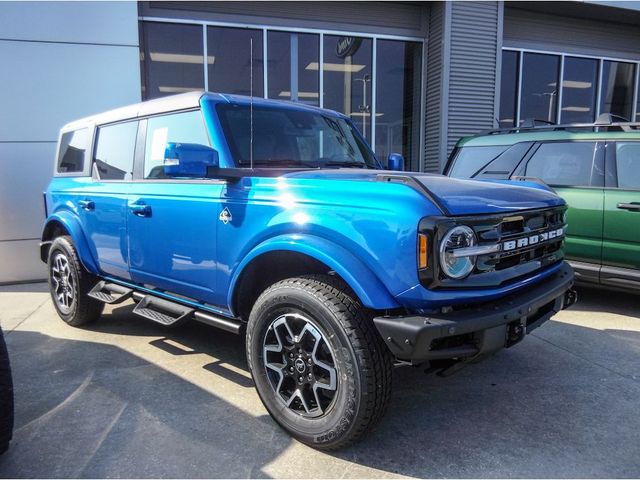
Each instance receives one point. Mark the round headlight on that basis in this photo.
(457, 237)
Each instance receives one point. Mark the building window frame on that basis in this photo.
(562, 55)
(265, 28)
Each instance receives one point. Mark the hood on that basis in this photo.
(454, 196)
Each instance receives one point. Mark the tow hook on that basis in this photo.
(570, 297)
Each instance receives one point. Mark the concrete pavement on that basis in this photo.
(128, 398)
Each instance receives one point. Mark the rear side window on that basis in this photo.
(564, 164)
(628, 165)
(115, 148)
(73, 146)
(186, 127)
(470, 160)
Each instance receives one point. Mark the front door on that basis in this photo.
(102, 203)
(172, 218)
(621, 249)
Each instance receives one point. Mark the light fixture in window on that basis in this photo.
(576, 109)
(177, 89)
(335, 67)
(364, 114)
(180, 58)
(572, 84)
(287, 94)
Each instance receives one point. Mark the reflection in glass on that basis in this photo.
(398, 73)
(616, 94)
(171, 59)
(347, 78)
(288, 56)
(229, 60)
(579, 90)
(508, 89)
(539, 87)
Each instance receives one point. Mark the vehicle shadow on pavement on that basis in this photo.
(609, 301)
(86, 409)
(563, 403)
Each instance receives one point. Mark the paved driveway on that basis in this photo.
(127, 398)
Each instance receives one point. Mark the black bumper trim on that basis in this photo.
(412, 337)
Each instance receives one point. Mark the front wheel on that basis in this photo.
(319, 366)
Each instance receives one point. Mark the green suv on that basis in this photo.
(594, 167)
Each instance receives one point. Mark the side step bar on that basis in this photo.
(110, 292)
(170, 313)
(162, 311)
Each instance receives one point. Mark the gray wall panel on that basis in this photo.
(472, 72)
(464, 42)
(81, 22)
(25, 170)
(53, 83)
(20, 261)
(437, 64)
(540, 31)
(60, 61)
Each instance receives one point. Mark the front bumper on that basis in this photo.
(480, 330)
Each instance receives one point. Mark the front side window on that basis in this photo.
(292, 138)
(73, 146)
(115, 148)
(628, 165)
(564, 164)
(183, 128)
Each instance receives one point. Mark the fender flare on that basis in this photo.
(71, 224)
(365, 283)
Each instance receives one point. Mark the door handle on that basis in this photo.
(140, 209)
(87, 205)
(633, 206)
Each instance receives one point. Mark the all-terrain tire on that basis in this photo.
(363, 363)
(6, 397)
(76, 308)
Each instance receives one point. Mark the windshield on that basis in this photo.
(292, 138)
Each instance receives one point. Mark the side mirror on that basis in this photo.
(395, 162)
(188, 159)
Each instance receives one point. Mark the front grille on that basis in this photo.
(505, 266)
(514, 228)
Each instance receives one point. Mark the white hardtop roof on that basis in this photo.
(182, 101)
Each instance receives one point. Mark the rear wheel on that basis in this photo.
(69, 284)
(319, 366)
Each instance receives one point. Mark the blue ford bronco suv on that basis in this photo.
(276, 221)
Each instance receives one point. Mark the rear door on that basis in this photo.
(103, 203)
(621, 249)
(172, 221)
(575, 170)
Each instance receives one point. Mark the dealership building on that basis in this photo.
(413, 76)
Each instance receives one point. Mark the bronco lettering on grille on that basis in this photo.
(532, 240)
